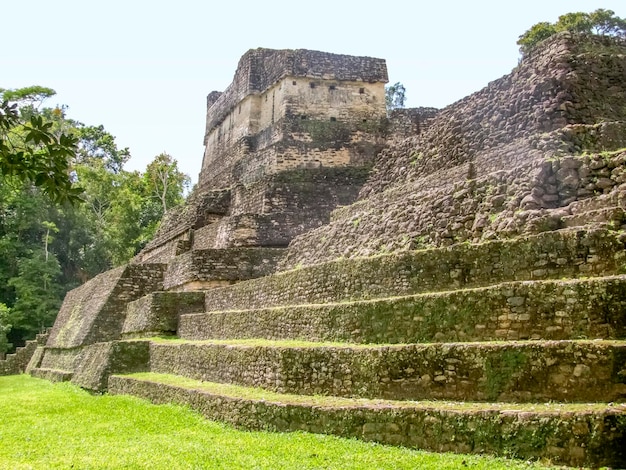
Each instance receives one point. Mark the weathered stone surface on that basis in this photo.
(518, 372)
(504, 204)
(589, 308)
(495, 428)
(158, 313)
(204, 268)
(278, 108)
(490, 156)
(95, 312)
(549, 255)
(18, 362)
(98, 361)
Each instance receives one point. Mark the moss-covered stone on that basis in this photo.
(565, 436)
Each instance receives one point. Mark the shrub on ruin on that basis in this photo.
(600, 22)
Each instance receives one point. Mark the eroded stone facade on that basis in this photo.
(293, 109)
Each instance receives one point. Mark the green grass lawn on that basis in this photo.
(60, 426)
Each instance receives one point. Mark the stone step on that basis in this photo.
(474, 201)
(53, 375)
(572, 434)
(499, 371)
(611, 215)
(209, 268)
(598, 202)
(555, 310)
(158, 313)
(550, 255)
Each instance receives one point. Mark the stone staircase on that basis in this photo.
(514, 347)
(17, 362)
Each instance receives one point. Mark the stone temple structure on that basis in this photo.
(449, 280)
(292, 137)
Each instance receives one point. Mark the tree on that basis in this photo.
(604, 22)
(600, 22)
(30, 151)
(165, 181)
(535, 35)
(5, 327)
(395, 96)
(27, 97)
(38, 295)
(47, 247)
(96, 143)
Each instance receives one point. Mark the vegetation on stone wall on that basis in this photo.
(68, 209)
(601, 22)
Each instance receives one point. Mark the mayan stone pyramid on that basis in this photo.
(450, 280)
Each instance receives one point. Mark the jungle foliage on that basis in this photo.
(68, 208)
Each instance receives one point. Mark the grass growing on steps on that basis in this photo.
(59, 426)
(259, 394)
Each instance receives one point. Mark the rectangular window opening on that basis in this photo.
(361, 90)
(312, 84)
(332, 87)
(333, 119)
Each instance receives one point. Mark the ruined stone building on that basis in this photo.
(473, 257)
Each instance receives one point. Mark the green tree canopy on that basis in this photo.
(395, 96)
(48, 247)
(600, 22)
(5, 327)
(96, 143)
(30, 150)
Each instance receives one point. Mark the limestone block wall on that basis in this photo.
(202, 207)
(96, 362)
(519, 372)
(407, 122)
(95, 311)
(269, 91)
(259, 69)
(569, 80)
(254, 230)
(157, 314)
(271, 212)
(588, 439)
(315, 192)
(550, 255)
(199, 269)
(549, 310)
(537, 196)
(311, 124)
(17, 362)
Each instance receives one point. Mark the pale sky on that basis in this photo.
(143, 68)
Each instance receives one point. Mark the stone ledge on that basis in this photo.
(556, 310)
(550, 255)
(228, 264)
(569, 435)
(158, 313)
(526, 371)
(53, 375)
